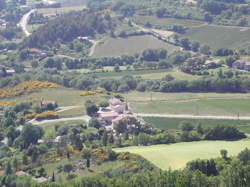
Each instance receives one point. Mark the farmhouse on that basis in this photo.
(241, 64)
(114, 113)
(48, 104)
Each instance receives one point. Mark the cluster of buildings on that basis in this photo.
(114, 113)
(241, 64)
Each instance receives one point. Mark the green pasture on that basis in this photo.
(174, 123)
(227, 107)
(219, 36)
(129, 46)
(176, 156)
(180, 97)
(163, 22)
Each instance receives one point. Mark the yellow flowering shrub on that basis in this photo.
(123, 156)
(92, 92)
(47, 115)
(7, 103)
(26, 87)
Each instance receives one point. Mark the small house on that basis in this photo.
(49, 105)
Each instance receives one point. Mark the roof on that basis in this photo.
(10, 71)
(47, 102)
(19, 173)
(41, 179)
(57, 139)
(123, 116)
(40, 141)
(114, 101)
(109, 115)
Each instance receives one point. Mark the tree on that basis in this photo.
(15, 164)
(120, 127)
(223, 153)
(91, 108)
(86, 154)
(230, 60)
(195, 46)
(117, 68)
(53, 177)
(105, 139)
(186, 126)
(104, 104)
(94, 122)
(244, 156)
(34, 64)
(111, 139)
(160, 12)
(8, 169)
(41, 172)
(25, 160)
(67, 168)
(30, 134)
(205, 50)
(185, 43)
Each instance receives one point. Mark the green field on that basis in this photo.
(163, 22)
(174, 123)
(178, 75)
(129, 46)
(159, 96)
(230, 107)
(63, 96)
(61, 10)
(219, 36)
(176, 156)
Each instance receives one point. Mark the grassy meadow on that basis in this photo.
(219, 36)
(180, 97)
(174, 123)
(165, 21)
(230, 107)
(176, 156)
(63, 96)
(61, 10)
(129, 46)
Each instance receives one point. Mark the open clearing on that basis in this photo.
(216, 107)
(129, 46)
(176, 156)
(174, 123)
(219, 36)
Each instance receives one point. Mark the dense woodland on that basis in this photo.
(69, 26)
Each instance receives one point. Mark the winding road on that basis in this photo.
(84, 118)
(24, 21)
